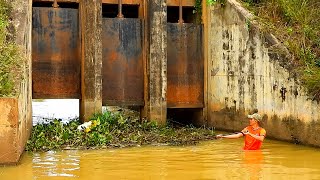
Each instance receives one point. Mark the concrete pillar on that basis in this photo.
(156, 81)
(205, 21)
(91, 58)
(16, 111)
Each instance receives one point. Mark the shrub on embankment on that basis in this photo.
(296, 23)
(10, 58)
(111, 130)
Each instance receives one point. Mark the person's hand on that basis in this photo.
(245, 131)
(219, 136)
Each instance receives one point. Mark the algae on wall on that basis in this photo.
(10, 57)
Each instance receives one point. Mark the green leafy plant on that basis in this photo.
(109, 130)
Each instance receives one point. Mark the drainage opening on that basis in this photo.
(128, 11)
(188, 14)
(185, 116)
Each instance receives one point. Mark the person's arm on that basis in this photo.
(231, 136)
(258, 137)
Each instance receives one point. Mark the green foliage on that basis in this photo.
(251, 2)
(198, 7)
(198, 4)
(311, 80)
(297, 24)
(10, 59)
(111, 130)
(213, 2)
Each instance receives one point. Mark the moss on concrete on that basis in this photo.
(10, 58)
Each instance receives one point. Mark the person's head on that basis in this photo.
(254, 118)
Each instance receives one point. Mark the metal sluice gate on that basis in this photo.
(56, 58)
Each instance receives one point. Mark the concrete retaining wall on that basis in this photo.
(249, 70)
(16, 112)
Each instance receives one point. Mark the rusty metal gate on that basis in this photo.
(56, 59)
(122, 65)
(185, 66)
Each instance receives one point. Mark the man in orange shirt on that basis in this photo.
(254, 134)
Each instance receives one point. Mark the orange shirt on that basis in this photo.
(250, 143)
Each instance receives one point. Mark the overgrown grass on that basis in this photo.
(109, 130)
(10, 58)
(296, 23)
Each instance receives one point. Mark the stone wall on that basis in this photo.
(249, 70)
(16, 112)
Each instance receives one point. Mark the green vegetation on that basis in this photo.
(109, 130)
(198, 5)
(10, 59)
(296, 23)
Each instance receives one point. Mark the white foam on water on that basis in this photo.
(64, 109)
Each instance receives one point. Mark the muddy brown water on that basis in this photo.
(217, 159)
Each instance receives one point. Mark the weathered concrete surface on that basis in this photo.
(91, 58)
(206, 21)
(246, 73)
(250, 70)
(16, 112)
(156, 100)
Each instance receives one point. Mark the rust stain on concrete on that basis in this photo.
(8, 112)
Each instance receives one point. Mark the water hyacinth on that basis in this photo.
(109, 130)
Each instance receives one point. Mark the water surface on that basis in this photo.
(218, 159)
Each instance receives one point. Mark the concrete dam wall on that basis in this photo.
(248, 70)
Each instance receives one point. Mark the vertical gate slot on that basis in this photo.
(128, 11)
(173, 14)
(189, 15)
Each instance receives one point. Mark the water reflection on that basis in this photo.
(253, 162)
(53, 164)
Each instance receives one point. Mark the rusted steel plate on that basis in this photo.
(122, 66)
(185, 66)
(55, 53)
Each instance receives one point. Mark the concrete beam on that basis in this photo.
(91, 58)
